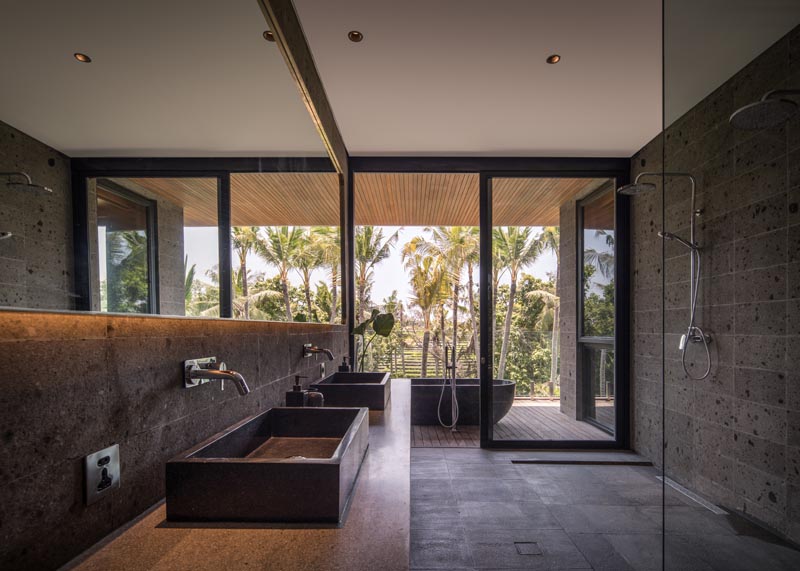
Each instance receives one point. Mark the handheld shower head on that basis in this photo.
(27, 185)
(773, 110)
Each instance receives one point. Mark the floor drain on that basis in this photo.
(528, 548)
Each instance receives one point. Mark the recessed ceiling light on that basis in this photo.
(83, 58)
(555, 58)
(355, 36)
(269, 36)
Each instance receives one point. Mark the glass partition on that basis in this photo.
(725, 225)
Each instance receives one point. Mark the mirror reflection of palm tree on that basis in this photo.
(280, 246)
(244, 240)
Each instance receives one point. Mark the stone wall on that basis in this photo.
(735, 436)
(72, 384)
(568, 316)
(36, 262)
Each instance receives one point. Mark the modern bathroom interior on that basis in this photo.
(293, 284)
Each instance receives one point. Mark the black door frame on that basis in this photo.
(620, 175)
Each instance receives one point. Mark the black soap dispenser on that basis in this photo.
(344, 367)
(297, 396)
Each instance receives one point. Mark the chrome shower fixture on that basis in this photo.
(27, 185)
(772, 110)
(694, 334)
(5, 235)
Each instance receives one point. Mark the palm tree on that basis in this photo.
(453, 246)
(549, 241)
(308, 259)
(517, 249)
(371, 250)
(280, 246)
(329, 244)
(188, 280)
(429, 285)
(244, 240)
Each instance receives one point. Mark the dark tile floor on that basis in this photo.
(473, 509)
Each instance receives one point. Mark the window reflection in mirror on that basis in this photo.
(155, 248)
(285, 246)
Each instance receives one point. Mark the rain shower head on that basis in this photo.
(636, 188)
(4, 235)
(27, 185)
(773, 110)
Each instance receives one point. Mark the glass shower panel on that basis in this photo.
(728, 227)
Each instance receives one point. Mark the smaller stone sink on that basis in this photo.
(356, 389)
(284, 465)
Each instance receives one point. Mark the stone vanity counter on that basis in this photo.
(375, 533)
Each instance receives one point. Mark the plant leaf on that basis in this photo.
(383, 324)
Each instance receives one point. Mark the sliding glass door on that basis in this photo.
(549, 369)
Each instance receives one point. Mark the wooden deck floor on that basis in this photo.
(527, 420)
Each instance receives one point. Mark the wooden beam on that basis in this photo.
(285, 25)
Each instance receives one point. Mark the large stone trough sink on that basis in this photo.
(371, 390)
(286, 465)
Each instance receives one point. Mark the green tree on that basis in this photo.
(517, 249)
(550, 241)
(428, 284)
(371, 249)
(128, 282)
(244, 240)
(453, 246)
(280, 246)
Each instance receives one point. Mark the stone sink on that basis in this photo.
(355, 389)
(284, 465)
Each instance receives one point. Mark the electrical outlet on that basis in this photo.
(101, 473)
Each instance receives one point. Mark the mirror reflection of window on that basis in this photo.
(124, 245)
(286, 247)
(157, 246)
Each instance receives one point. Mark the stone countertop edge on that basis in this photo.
(374, 534)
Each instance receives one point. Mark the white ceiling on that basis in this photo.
(169, 78)
(432, 77)
(468, 77)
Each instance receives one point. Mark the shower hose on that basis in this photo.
(453, 400)
(695, 334)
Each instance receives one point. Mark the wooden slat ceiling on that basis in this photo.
(381, 199)
(391, 199)
(257, 199)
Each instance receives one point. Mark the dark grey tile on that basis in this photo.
(428, 515)
(439, 490)
(430, 470)
(507, 515)
(439, 549)
(599, 552)
(508, 549)
(605, 519)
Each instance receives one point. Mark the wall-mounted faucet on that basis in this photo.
(200, 371)
(309, 349)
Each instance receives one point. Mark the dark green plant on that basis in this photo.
(380, 324)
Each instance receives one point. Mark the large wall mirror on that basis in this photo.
(220, 199)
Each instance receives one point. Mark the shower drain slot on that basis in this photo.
(692, 496)
(528, 548)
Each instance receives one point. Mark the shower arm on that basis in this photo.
(695, 212)
(779, 93)
(18, 173)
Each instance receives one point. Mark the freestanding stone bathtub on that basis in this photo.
(425, 400)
